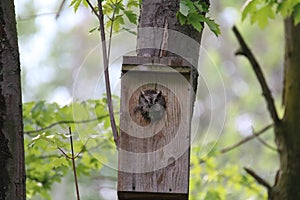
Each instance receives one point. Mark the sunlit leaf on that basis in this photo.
(262, 15)
(131, 16)
(249, 8)
(213, 26)
(183, 8)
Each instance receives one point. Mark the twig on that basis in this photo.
(74, 166)
(246, 139)
(35, 16)
(60, 9)
(110, 32)
(65, 122)
(92, 8)
(62, 151)
(259, 179)
(264, 142)
(83, 148)
(106, 72)
(245, 51)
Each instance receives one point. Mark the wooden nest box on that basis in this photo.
(157, 96)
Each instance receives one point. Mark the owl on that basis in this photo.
(151, 105)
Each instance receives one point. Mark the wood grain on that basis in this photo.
(154, 157)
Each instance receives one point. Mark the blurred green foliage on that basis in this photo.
(261, 10)
(47, 137)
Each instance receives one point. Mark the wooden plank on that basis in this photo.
(154, 158)
(168, 61)
(151, 196)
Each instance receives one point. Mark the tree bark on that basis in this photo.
(287, 185)
(12, 173)
(158, 17)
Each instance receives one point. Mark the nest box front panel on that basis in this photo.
(155, 132)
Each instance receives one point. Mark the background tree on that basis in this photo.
(286, 128)
(12, 184)
(244, 108)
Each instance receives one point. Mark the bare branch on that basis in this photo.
(111, 31)
(246, 139)
(245, 51)
(25, 18)
(73, 163)
(106, 72)
(60, 9)
(63, 152)
(65, 122)
(264, 142)
(92, 8)
(259, 179)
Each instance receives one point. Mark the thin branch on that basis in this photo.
(245, 51)
(63, 152)
(74, 166)
(60, 9)
(65, 122)
(83, 148)
(100, 17)
(35, 16)
(259, 179)
(92, 8)
(264, 142)
(106, 74)
(110, 32)
(246, 139)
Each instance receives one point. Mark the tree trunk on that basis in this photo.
(287, 185)
(12, 173)
(157, 18)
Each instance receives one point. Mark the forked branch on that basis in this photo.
(245, 51)
(246, 139)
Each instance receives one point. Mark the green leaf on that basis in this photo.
(286, 7)
(182, 19)
(58, 162)
(118, 7)
(118, 21)
(249, 8)
(183, 8)
(195, 20)
(262, 15)
(85, 3)
(201, 6)
(132, 3)
(214, 27)
(296, 14)
(94, 29)
(131, 16)
(212, 195)
(130, 31)
(75, 4)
